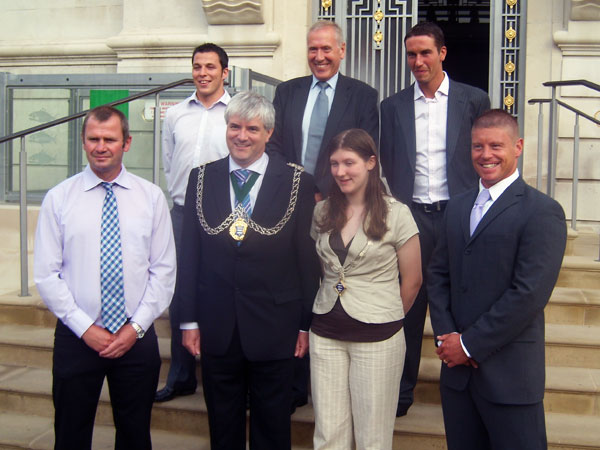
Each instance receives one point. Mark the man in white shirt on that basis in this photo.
(425, 144)
(104, 264)
(499, 254)
(193, 134)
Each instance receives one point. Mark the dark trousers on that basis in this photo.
(78, 374)
(474, 423)
(227, 380)
(182, 372)
(429, 224)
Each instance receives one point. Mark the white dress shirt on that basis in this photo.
(313, 93)
(431, 179)
(192, 135)
(67, 249)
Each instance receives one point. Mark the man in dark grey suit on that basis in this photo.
(498, 257)
(350, 104)
(425, 145)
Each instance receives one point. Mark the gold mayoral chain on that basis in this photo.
(238, 220)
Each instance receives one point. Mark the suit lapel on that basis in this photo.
(270, 187)
(405, 115)
(358, 245)
(337, 111)
(456, 111)
(299, 105)
(509, 197)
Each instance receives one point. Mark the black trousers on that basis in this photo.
(474, 423)
(182, 372)
(227, 379)
(78, 374)
(429, 224)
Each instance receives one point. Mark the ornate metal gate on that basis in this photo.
(374, 32)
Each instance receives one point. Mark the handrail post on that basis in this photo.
(156, 147)
(540, 155)
(23, 219)
(575, 173)
(552, 137)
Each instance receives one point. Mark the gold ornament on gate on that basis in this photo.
(509, 67)
(378, 37)
(510, 34)
(509, 101)
(511, 3)
(378, 16)
(326, 4)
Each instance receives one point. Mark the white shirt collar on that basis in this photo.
(497, 189)
(223, 99)
(332, 82)
(259, 166)
(91, 180)
(442, 90)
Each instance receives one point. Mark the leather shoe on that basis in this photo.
(168, 393)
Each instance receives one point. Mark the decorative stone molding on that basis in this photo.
(233, 12)
(585, 9)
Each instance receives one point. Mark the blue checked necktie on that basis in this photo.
(241, 176)
(111, 264)
(316, 128)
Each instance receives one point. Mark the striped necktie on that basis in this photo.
(241, 176)
(111, 264)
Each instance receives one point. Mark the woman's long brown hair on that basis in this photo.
(376, 209)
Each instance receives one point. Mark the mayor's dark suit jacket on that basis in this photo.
(265, 286)
(398, 142)
(493, 286)
(354, 106)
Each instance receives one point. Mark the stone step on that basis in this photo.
(581, 272)
(573, 306)
(26, 421)
(567, 305)
(569, 390)
(566, 345)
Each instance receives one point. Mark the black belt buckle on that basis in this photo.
(432, 207)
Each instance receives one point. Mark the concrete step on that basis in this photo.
(566, 345)
(26, 421)
(567, 305)
(581, 272)
(569, 390)
(573, 306)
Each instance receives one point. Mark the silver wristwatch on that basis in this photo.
(138, 330)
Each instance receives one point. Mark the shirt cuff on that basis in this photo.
(464, 348)
(188, 326)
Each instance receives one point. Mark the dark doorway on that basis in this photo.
(466, 26)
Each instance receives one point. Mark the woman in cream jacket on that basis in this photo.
(365, 240)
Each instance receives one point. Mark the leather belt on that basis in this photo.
(431, 207)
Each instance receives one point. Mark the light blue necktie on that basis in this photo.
(316, 128)
(111, 264)
(242, 176)
(477, 211)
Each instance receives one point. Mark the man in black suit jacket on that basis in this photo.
(425, 157)
(489, 282)
(352, 104)
(249, 276)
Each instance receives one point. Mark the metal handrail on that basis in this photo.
(552, 144)
(23, 162)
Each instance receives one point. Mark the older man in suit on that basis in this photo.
(499, 253)
(425, 144)
(311, 110)
(248, 279)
